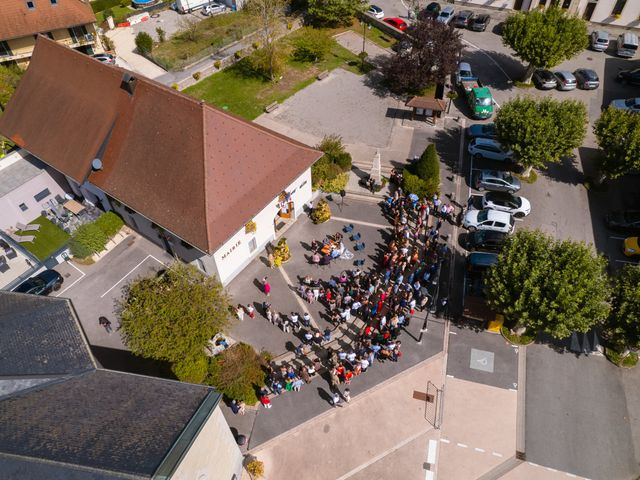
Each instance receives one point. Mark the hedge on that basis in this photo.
(192, 369)
(87, 240)
(101, 5)
(110, 223)
(423, 177)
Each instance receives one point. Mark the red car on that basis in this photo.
(396, 22)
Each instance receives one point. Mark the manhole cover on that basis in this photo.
(481, 360)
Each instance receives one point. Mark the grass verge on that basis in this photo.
(614, 357)
(532, 178)
(374, 34)
(240, 90)
(119, 14)
(525, 339)
(49, 238)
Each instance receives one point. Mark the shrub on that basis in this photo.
(107, 13)
(125, 3)
(144, 43)
(108, 43)
(217, 64)
(175, 86)
(281, 252)
(324, 170)
(321, 213)
(423, 177)
(336, 184)
(313, 46)
(255, 45)
(237, 372)
(162, 35)
(192, 369)
(87, 240)
(110, 223)
(237, 54)
(196, 76)
(255, 468)
(413, 184)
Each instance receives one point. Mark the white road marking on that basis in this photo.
(496, 454)
(450, 376)
(358, 222)
(571, 475)
(431, 452)
(453, 333)
(428, 475)
(617, 238)
(130, 272)
(303, 307)
(481, 450)
(626, 261)
(462, 445)
(82, 275)
(444, 440)
(513, 390)
(551, 469)
(490, 58)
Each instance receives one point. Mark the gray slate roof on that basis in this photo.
(40, 336)
(20, 172)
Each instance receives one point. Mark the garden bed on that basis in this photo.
(525, 339)
(614, 357)
(49, 239)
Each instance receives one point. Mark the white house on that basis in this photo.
(187, 175)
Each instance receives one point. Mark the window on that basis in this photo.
(54, 2)
(31, 5)
(77, 33)
(201, 265)
(618, 7)
(5, 51)
(23, 207)
(49, 35)
(42, 195)
(252, 245)
(303, 184)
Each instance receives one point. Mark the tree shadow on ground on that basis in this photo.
(565, 171)
(125, 361)
(448, 156)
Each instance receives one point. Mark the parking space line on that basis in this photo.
(130, 272)
(82, 275)
(626, 261)
(490, 58)
(618, 238)
(359, 222)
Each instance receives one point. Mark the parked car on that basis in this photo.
(505, 202)
(463, 19)
(566, 80)
(42, 284)
(631, 247)
(432, 10)
(375, 11)
(496, 181)
(486, 219)
(482, 130)
(629, 104)
(446, 15)
(480, 23)
(599, 40)
(629, 76)
(489, 148)
(107, 58)
(213, 9)
(626, 221)
(544, 79)
(397, 23)
(587, 79)
(485, 240)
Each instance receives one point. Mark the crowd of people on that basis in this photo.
(385, 298)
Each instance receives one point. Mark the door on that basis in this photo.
(589, 10)
(517, 5)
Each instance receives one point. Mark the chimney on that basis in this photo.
(128, 83)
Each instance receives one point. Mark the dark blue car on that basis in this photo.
(42, 284)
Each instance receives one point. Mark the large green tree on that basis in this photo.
(172, 316)
(548, 285)
(9, 79)
(544, 38)
(618, 134)
(623, 325)
(541, 131)
(334, 13)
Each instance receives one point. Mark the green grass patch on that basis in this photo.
(239, 90)
(524, 339)
(614, 357)
(119, 14)
(374, 34)
(520, 84)
(210, 35)
(532, 178)
(49, 238)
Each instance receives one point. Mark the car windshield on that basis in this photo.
(444, 14)
(483, 215)
(30, 284)
(630, 102)
(486, 101)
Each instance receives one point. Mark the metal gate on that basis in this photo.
(433, 405)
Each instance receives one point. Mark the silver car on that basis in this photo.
(496, 181)
(566, 80)
(599, 40)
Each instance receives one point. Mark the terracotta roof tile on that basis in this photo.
(17, 20)
(427, 102)
(193, 169)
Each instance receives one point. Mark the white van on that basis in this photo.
(186, 6)
(627, 45)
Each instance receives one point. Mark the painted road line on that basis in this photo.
(481, 450)
(444, 440)
(130, 272)
(627, 261)
(490, 58)
(82, 275)
(496, 454)
(618, 238)
(431, 452)
(294, 292)
(453, 333)
(359, 222)
(450, 376)
(462, 445)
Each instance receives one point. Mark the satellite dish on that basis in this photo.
(96, 164)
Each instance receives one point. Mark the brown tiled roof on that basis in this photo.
(16, 20)
(193, 169)
(427, 103)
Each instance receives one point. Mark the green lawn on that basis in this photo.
(48, 239)
(240, 91)
(208, 36)
(374, 34)
(119, 13)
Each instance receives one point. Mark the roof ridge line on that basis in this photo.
(59, 379)
(205, 179)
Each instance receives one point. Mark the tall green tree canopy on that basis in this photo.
(541, 131)
(334, 13)
(548, 285)
(623, 326)
(618, 134)
(172, 316)
(545, 38)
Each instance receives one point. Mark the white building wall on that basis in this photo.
(214, 454)
(235, 254)
(501, 4)
(630, 16)
(10, 211)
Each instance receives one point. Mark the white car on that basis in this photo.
(446, 15)
(489, 148)
(486, 219)
(505, 202)
(375, 11)
(213, 9)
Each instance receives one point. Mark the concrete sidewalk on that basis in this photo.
(124, 41)
(363, 439)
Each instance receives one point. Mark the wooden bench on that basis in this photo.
(271, 107)
(322, 75)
